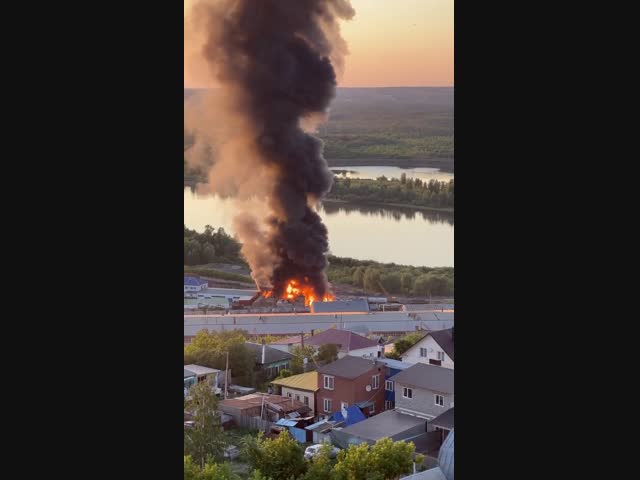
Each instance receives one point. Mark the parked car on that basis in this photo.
(313, 450)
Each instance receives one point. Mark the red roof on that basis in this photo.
(346, 340)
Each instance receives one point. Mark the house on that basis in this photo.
(301, 387)
(349, 343)
(393, 367)
(445, 468)
(435, 348)
(194, 284)
(286, 344)
(443, 423)
(190, 379)
(425, 391)
(391, 423)
(350, 381)
(340, 306)
(262, 406)
(197, 374)
(270, 360)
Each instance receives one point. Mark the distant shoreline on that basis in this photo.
(394, 205)
(445, 164)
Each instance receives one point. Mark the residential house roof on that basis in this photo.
(395, 364)
(430, 377)
(385, 424)
(194, 281)
(287, 341)
(444, 420)
(271, 355)
(354, 415)
(346, 340)
(431, 474)
(189, 373)
(305, 381)
(338, 306)
(255, 401)
(199, 370)
(444, 338)
(349, 367)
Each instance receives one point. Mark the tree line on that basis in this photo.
(406, 191)
(209, 246)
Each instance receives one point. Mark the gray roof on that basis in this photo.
(444, 420)
(429, 377)
(349, 367)
(444, 338)
(199, 370)
(427, 307)
(385, 424)
(445, 457)
(189, 373)
(431, 474)
(340, 306)
(395, 364)
(271, 355)
(293, 324)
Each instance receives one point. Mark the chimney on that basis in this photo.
(263, 352)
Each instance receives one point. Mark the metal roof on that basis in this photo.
(444, 420)
(194, 281)
(340, 306)
(283, 422)
(189, 373)
(345, 340)
(385, 424)
(271, 354)
(199, 370)
(431, 474)
(350, 367)
(305, 381)
(429, 377)
(395, 364)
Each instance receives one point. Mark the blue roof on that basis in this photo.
(395, 364)
(194, 281)
(283, 422)
(354, 415)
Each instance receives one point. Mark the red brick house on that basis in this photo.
(351, 381)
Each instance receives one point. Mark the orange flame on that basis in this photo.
(295, 289)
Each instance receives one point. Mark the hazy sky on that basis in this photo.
(397, 43)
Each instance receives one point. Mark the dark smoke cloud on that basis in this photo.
(274, 61)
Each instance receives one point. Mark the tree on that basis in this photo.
(208, 254)
(405, 343)
(358, 276)
(403, 178)
(280, 458)
(406, 281)
(299, 353)
(371, 279)
(327, 353)
(204, 441)
(320, 467)
(391, 282)
(192, 251)
(284, 373)
(385, 460)
(211, 471)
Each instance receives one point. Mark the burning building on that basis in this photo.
(273, 62)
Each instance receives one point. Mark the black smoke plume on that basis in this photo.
(273, 61)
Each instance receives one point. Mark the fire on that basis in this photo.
(295, 289)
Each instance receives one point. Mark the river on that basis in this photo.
(403, 236)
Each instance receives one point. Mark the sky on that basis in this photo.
(396, 43)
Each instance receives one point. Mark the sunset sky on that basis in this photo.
(396, 43)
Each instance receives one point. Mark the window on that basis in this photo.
(343, 405)
(372, 409)
(441, 356)
(327, 405)
(407, 392)
(298, 398)
(388, 405)
(306, 401)
(375, 381)
(423, 352)
(440, 400)
(388, 385)
(289, 394)
(328, 382)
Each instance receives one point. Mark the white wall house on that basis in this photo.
(193, 284)
(428, 351)
(367, 352)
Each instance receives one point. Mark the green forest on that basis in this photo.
(212, 246)
(403, 191)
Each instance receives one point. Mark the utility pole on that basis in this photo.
(226, 377)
